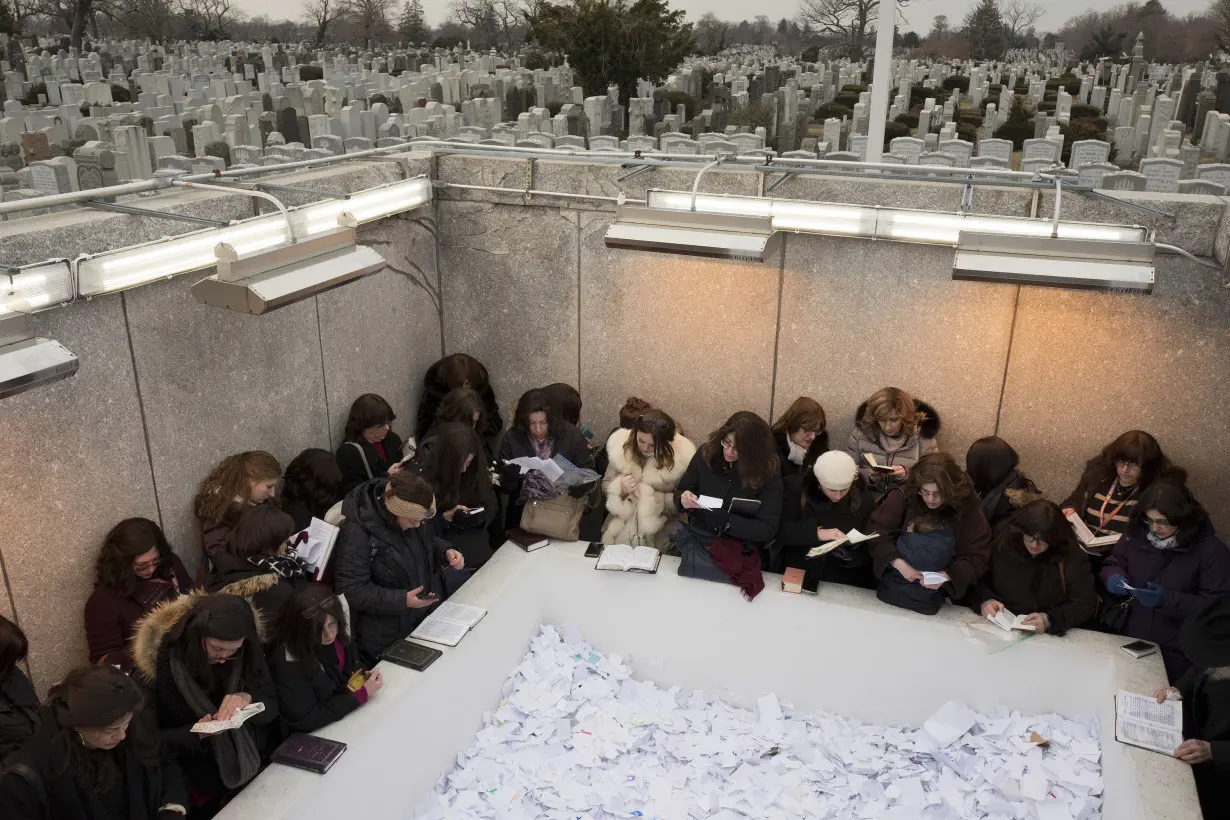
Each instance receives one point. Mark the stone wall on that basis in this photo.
(167, 387)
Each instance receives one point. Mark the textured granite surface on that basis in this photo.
(216, 382)
(510, 292)
(1192, 222)
(692, 336)
(74, 463)
(857, 316)
(1086, 367)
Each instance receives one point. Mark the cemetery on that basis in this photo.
(213, 246)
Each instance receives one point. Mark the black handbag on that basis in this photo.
(1113, 614)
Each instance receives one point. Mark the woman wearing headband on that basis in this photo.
(203, 659)
(389, 566)
(314, 665)
(96, 757)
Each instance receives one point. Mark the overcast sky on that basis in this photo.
(918, 14)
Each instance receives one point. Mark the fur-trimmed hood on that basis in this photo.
(930, 426)
(659, 479)
(151, 630)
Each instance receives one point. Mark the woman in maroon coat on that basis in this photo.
(1171, 563)
(136, 571)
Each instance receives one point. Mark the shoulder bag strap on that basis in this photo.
(36, 784)
(367, 468)
(1063, 582)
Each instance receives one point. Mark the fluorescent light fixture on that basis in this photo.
(1073, 263)
(27, 361)
(34, 287)
(137, 265)
(724, 236)
(260, 282)
(899, 224)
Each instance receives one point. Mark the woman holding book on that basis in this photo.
(315, 667)
(135, 571)
(834, 504)
(1205, 692)
(371, 449)
(938, 491)
(256, 564)
(451, 460)
(1109, 490)
(1039, 571)
(203, 660)
(732, 495)
(895, 430)
(95, 757)
(389, 566)
(538, 431)
(644, 464)
(1170, 563)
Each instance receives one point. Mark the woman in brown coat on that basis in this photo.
(1038, 570)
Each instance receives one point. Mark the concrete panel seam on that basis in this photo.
(136, 378)
(435, 249)
(777, 324)
(577, 219)
(324, 375)
(1003, 385)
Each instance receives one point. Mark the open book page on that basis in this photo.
(319, 545)
(1083, 533)
(1146, 736)
(1006, 621)
(623, 557)
(852, 537)
(934, 578)
(213, 727)
(468, 616)
(1142, 721)
(709, 502)
(449, 623)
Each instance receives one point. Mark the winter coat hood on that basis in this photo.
(154, 627)
(930, 426)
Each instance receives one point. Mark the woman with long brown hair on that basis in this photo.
(644, 465)
(895, 430)
(801, 435)
(237, 483)
(451, 460)
(370, 449)
(135, 571)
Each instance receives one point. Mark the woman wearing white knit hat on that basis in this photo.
(834, 503)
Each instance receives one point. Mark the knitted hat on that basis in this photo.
(835, 470)
(1205, 636)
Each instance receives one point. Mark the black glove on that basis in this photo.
(580, 490)
(510, 476)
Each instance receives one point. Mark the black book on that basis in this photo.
(315, 754)
(746, 507)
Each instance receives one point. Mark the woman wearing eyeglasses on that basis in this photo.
(644, 465)
(1171, 563)
(202, 658)
(136, 570)
(314, 665)
(389, 566)
(371, 447)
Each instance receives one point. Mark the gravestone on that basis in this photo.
(1161, 174)
(1085, 152)
(95, 167)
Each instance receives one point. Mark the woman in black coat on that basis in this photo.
(18, 702)
(452, 462)
(389, 565)
(538, 430)
(800, 436)
(314, 665)
(370, 448)
(453, 371)
(201, 657)
(95, 757)
(253, 566)
(833, 502)
(992, 465)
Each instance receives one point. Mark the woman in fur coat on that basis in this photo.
(645, 464)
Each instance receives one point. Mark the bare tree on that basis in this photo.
(370, 16)
(848, 19)
(322, 14)
(1219, 13)
(1018, 16)
(710, 33)
(492, 23)
(206, 19)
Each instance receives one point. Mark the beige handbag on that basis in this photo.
(558, 518)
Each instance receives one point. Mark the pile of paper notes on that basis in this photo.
(576, 736)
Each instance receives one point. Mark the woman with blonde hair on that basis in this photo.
(644, 465)
(895, 430)
(237, 483)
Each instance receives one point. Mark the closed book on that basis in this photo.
(315, 754)
(792, 580)
(527, 541)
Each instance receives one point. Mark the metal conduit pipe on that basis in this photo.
(290, 225)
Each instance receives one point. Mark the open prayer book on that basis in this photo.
(1006, 621)
(624, 558)
(318, 547)
(875, 465)
(1088, 540)
(449, 623)
(213, 727)
(1141, 721)
(852, 537)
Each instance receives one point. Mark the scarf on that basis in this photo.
(536, 485)
(1162, 543)
(990, 501)
(741, 566)
(797, 453)
(234, 751)
(290, 567)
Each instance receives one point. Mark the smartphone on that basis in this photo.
(411, 655)
(1139, 649)
(594, 549)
